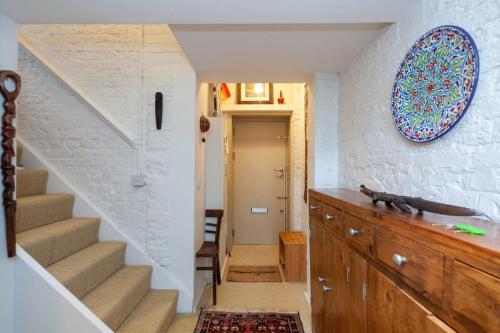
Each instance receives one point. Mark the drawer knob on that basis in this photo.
(329, 217)
(321, 279)
(353, 232)
(398, 259)
(326, 289)
(313, 207)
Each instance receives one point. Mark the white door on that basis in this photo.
(259, 180)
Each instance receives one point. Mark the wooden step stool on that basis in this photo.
(293, 255)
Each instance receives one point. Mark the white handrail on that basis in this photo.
(26, 45)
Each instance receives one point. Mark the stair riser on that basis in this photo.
(51, 247)
(154, 314)
(19, 154)
(37, 211)
(137, 292)
(120, 294)
(96, 273)
(31, 182)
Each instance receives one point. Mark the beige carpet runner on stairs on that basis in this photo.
(93, 271)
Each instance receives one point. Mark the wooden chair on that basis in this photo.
(210, 249)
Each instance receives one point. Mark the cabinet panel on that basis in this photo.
(409, 315)
(391, 310)
(422, 266)
(355, 268)
(380, 302)
(475, 298)
(333, 270)
(317, 239)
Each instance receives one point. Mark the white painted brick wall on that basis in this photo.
(105, 62)
(463, 167)
(102, 60)
(297, 153)
(323, 131)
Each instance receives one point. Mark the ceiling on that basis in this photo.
(203, 11)
(238, 41)
(271, 53)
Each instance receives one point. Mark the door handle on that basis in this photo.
(326, 289)
(321, 279)
(281, 197)
(281, 172)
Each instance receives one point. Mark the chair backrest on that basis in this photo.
(218, 213)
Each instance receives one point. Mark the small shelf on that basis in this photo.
(292, 255)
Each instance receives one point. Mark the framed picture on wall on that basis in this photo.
(254, 93)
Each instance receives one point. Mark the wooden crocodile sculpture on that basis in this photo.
(403, 203)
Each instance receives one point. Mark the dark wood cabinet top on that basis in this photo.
(480, 251)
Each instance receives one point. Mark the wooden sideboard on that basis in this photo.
(375, 269)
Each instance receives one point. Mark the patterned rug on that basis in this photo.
(253, 274)
(248, 322)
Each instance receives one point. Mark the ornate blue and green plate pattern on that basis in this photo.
(435, 83)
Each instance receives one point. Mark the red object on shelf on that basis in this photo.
(281, 99)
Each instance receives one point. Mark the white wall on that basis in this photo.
(8, 61)
(199, 218)
(462, 167)
(139, 60)
(323, 131)
(43, 304)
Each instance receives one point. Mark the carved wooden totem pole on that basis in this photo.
(8, 169)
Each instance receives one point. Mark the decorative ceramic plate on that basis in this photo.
(435, 83)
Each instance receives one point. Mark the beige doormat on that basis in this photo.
(253, 274)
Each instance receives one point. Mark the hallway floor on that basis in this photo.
(252, 296)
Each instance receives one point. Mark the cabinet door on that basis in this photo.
(390, 309)
(333, 273)
(475, 298)
(380, 302)
(317, 243)
(354, 311)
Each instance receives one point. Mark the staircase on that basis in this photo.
(93, 271)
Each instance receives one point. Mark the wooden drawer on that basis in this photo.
(421, 266)
(314, 208)
(475, 298)
(332, 218)
(360, 233)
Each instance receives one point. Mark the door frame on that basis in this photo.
(233, 117)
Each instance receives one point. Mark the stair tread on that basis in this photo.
(55, 241)
(37, 210)
(83, 271)
(19, 153)
(116, 297)
(31, 182)
(154, 314)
